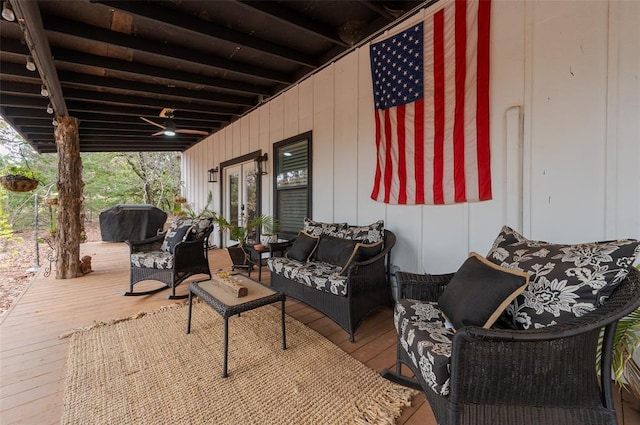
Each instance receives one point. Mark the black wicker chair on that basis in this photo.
(536, 377)
(150, 260)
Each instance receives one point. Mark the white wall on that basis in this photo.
(565, 137)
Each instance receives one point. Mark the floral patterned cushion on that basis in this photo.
(566, 281)
(182, 228)
(317, 228)
(322, 276)
(368, 234)
(422, 334)
(152, 260)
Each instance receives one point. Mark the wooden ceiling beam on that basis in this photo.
(149, 102)
(105, 134)
(86, 117)
(44, 147)
(292, 18)
(193, 24)
(31, 102)
(380, 10)
(133, 148)
(154, 72)
(91, 82)
(26, 113)
(18, 71)
(78, 29)
(151, 113)
(34, 122)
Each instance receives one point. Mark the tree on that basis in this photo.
(159, 174)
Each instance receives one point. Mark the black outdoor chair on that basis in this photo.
(171, 257)
(536, 377)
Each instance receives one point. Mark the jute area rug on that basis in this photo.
(147, 370)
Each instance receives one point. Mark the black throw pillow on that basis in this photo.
(173, 238)
(303, 247)
(480, 291)
(362, 252)
(336, 251)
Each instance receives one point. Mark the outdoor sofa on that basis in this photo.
(340, 270)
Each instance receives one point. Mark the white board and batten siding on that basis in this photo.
(565, 138)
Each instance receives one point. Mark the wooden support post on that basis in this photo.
(70, 187)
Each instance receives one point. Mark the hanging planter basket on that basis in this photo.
(18, 183)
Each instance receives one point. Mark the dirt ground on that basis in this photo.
(18, 258)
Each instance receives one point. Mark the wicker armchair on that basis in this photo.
(538, 376)
(171, 257)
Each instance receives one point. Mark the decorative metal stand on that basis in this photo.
(51, 255)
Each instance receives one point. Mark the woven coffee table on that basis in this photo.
(228, 305)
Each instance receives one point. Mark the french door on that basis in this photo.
(240, 196)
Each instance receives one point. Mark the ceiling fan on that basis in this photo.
(169, 127)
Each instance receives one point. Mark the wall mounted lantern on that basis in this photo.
(213, 175)
(261, 165)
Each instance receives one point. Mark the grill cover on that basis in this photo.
(131, 222)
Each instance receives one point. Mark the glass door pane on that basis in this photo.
(232, 211)
(240, 197)
(250, 195)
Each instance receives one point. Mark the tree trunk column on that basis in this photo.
(70, 187)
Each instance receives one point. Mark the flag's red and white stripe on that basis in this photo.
(436, 150)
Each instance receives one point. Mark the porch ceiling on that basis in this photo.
(210, 61)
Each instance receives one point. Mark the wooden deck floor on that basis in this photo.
(33, 359)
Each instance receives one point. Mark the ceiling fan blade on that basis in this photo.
(152, 123)
(159, 133)
(186, 131)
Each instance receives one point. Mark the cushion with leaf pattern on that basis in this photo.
(566, 281)
(370, 233)
(318, 228)
(422, 333)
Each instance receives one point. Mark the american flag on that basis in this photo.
(431, 97)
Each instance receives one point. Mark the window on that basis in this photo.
(292, 182)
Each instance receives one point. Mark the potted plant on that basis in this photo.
(626, 341)
(240, 232)
(17, 178)
(270, 229)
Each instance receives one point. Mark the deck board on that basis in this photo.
(33, 359)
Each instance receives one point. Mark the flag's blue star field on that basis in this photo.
(397, 68)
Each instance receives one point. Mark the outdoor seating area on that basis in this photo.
(341, 270)
(317, 213)
(34, 358)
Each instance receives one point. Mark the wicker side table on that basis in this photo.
(226, 305)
